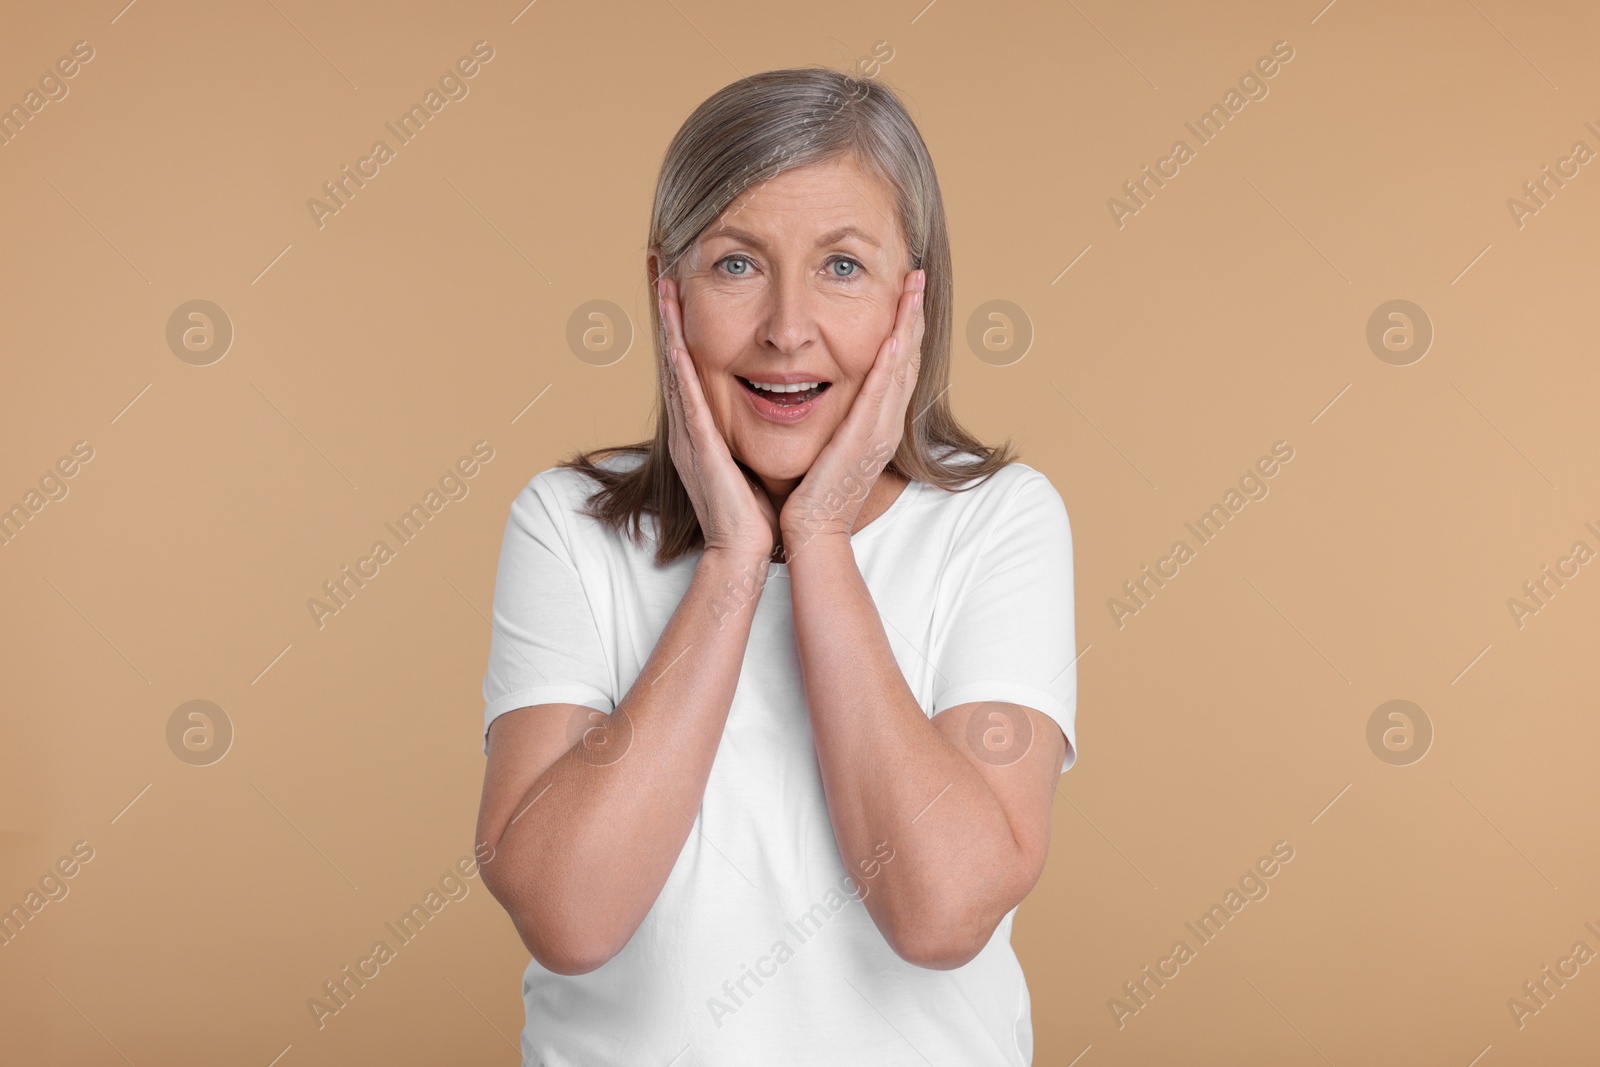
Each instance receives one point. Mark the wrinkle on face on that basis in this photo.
(793, 308)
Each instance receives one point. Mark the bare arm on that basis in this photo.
(967, 831)
(969, 835)
(585, 834)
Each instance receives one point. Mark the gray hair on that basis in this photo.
(746, 134)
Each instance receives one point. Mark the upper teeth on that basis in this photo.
(797, 387)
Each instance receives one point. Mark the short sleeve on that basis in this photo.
(544, 644)
(1011, 638)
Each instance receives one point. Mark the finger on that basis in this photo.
(668, 339)
(894, 374)
(696, 411)
(666, 302)
(695, 408)
(683, 367)
(663, 363)
(897, 354)
(908, 357)
(673, 317)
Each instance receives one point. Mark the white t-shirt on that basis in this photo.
(758, 949)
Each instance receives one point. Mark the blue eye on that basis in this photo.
(746, 266)
(855, 267)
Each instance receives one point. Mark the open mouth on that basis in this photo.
(786, 396)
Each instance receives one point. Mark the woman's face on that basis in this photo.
(797, 282)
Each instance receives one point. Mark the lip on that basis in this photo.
(783, 415)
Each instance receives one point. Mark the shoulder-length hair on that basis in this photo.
(747, 133)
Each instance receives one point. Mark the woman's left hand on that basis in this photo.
(830, 496)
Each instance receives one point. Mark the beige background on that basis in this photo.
(1230, 313)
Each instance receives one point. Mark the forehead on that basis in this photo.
(806, 202)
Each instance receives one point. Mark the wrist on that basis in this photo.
(731, 562)
(797, 532)
(815, 544)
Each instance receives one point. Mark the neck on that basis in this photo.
(778, 491)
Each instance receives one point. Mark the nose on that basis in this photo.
(789, 324)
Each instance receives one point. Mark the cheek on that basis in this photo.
(861, 328)
(714, 329)
(857, 338)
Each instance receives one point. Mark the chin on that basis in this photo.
(780, 464)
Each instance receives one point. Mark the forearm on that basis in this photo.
(594, 838)
(889, 775)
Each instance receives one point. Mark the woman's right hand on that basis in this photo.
(736, 515)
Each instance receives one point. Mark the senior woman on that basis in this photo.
(776, 701)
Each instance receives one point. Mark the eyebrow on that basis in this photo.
(832, 237)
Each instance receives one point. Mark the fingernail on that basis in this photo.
(916, 301)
